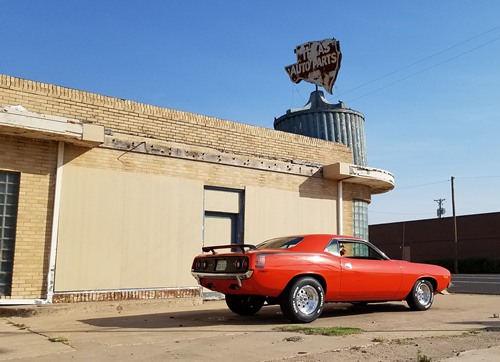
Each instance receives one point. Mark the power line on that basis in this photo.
(418, 62)
(475, 177)
(422, 60)
(421, 185)
(440, 211)
(443, 181)
(399, 213)
(423, 70)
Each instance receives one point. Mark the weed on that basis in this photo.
(472, 332)
(492, 329)
(404, 341)
(19, 325)
(59, 339)
(324, 331)
(422, 357)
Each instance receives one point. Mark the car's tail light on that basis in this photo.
(204, 264)
(240, 264)
(260, 260)
(198, 265)
(237, 264)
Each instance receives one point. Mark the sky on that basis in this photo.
(425, 74)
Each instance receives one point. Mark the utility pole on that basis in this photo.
(440, 211)
(454, 223)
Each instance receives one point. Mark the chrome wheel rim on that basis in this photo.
(307, 299)
(423, 294)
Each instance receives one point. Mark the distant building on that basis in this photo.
(478, 236)
(106, 199)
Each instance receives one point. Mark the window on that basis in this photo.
(333, 247)
(360, 219)
(361, 250)
(280, 243)
(9, 195)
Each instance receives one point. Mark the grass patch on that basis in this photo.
(323, 331)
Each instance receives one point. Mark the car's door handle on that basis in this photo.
(348, 265)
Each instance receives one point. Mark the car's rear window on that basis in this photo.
(280, 243)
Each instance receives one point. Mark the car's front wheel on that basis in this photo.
(421, 295)
(303, 300)
(244, 304)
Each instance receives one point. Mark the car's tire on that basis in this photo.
(421, 295)
(244, 304)
(303, 300)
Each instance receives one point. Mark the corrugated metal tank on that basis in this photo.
(331, 122)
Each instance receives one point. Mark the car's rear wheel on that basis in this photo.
(303, 300)
(244, 304)
(421, 295)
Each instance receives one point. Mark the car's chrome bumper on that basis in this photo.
(224, 276)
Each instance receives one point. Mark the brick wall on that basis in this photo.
(166, 124)
(478, 236)
(35, 160)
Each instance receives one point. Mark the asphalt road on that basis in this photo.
(475, 283)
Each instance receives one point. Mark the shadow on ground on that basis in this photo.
(269, 315)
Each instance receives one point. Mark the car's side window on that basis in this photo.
(358, 250)
(333, 247)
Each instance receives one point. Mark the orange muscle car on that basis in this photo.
(301, 273)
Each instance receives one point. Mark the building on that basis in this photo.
(104, 198)
(478, 239)
(336, 123)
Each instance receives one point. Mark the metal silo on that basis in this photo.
(331, 122)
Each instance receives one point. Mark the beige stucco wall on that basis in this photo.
(130, 220)
(126, 230)
(271, 213)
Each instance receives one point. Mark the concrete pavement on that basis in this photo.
(159, 330)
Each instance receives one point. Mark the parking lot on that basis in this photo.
(160, 330)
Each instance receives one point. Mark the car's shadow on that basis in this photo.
(347, 309)
(492, 324)
(269, 315)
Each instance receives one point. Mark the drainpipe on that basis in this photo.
(53, 241)
(55, 223)
(340, 216)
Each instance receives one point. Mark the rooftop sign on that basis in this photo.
(318, 62)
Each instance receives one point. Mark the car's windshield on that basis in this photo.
(280, 243)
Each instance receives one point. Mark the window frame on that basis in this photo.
(354, 246)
